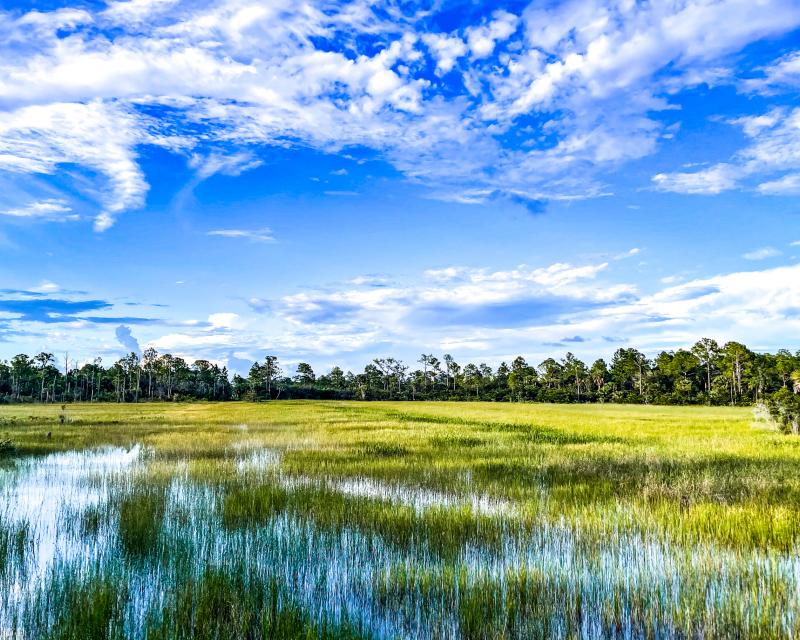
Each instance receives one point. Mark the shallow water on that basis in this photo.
(416, 497)
(351, 575)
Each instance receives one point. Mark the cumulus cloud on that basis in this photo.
(457, 296)
(126, 339)
(469, 312)
(482, 39)
(445, 49)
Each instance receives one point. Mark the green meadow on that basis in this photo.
(396, 520)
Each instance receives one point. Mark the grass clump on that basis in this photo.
(450, 441)
(15, 542)
(141, 513)
(79, 607)
(250, 507)
(385, 450)
(233, 605)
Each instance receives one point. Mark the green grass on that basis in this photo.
(494, 520)
(141, 513)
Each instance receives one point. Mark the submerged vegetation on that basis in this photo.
(394, 520)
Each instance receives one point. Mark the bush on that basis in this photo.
(784, 407)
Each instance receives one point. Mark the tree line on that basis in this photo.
(706, 373)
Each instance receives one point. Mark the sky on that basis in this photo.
(332, 182)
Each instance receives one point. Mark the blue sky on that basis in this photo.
(336, 181)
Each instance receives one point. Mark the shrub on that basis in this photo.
(784, 406)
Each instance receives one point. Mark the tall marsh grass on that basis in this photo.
(390, 520)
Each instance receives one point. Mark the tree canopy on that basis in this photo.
(706, 373)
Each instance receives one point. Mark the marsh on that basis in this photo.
(392, 520)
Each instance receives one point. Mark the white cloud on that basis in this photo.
(448, 294)
(756, 307)
(445, 49)
(227, 76)
(190, 343)
(774, 149)
(738, 302)
(483, 313)
(762, 253)
(46, 287)
(126, 12)
(628, 254)
(788, 185)
(97, 136)
(783, 73)
(257, 235)
(712, 181)
(51, 209)
(482, 39)
(224, 320)
(369, 280)
(214, 163)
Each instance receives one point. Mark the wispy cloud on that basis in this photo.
(256, 235)
(230, 165)
(761, 253)
(52, 209)
(770, 164)
(96, 135)
(783, 72)
(628, 254)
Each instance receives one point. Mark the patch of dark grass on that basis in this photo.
(537, 434)
(15, 540)
(450, 441)
(246, 507)
(141, 515)
(385, 450)
(7, 449)
(92, 520)
(77, 607)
